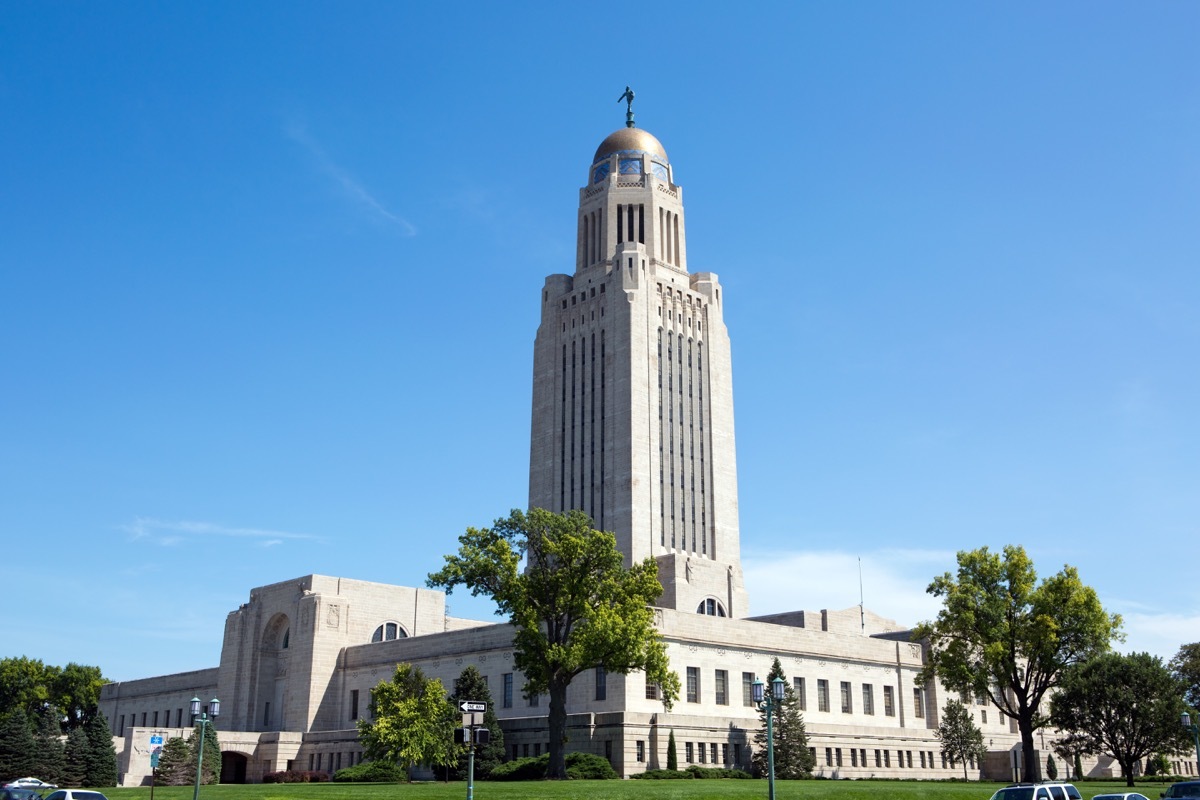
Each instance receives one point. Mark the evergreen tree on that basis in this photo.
(78, 753)
(961, 739)
(1051, 768)
(50, 757)
(793, 759)
(176, 764)
(212, 755)
(17, 746)
(672, 754)
(470, 685)
(102, 756)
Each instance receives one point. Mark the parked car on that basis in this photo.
(1038, 791)
(1125, 796)
(75, 794)
(29, 783)
(1188, 789)
(19, 794)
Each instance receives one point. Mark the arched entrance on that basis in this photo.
(272, 669)
(233, 767)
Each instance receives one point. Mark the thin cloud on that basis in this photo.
(348, 183)
(172, 532)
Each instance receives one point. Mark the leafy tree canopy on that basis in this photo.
(961, 739)
(412, 722)
(1185, 666)
(30, 685)
(575, 606)
(1002, 634)
(1124, 706)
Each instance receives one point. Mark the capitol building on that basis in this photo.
(632, 423)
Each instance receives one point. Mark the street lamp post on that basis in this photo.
(770, 704)
(1193, 729)
(202, 720)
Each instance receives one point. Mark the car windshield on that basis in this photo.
(1014, 793)
(88, 796)
(1191, 789)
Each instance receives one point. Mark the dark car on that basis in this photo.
(19, 794)
(1189, 789)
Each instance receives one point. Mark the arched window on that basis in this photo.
(287, 637)
(387, 632)
(711, 608)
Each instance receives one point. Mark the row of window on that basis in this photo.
(883, 758)
(799, 687)
(582, 428)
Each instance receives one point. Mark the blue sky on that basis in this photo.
(269, 282)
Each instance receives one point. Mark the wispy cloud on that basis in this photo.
(347, 182)
(168, 533)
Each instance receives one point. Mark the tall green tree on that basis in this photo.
(470, 685)
(672, 752)
(211, 763)
(961, 739)
(1185, 666)
(50, 756)
(75, 690)
(79, 750)
(411, 723)
(176, 763)
(25, 683)
(575, 606)
(1051, 767)
(17, 746)
(102, 756)
(1124, 706)
(793, 759)
(1003, 635)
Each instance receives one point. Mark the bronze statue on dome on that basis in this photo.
(628, 98)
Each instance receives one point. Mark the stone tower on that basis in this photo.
(632, 384)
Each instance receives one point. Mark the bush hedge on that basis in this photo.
(580, 766)
(370, 772)
(296, 776)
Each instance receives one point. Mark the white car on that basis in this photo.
(30, 783)
(76, 794)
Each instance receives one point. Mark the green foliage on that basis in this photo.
(1158, 764)
(211, 765)
(30, 685)
(1003, 635)
(176, 764)
(49, 755)
(370, 772)
(672, 753)
(412, 722)
(17, 746)
(961, 739)
(793, 759)
(296, 776)
(715, 773)
(1185, 666)
(662, 775)
(102, 756)
(77, 756)
(470, 685)
(574, 605)
(1124, 706)
(580, 766)
(1051, 768)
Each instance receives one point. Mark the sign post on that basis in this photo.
(473, 733)
(156, 746)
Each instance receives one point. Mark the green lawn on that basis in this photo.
(609, 790)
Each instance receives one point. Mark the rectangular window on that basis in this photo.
(887, 758)
(910, 759)
(829, 756)
(889, 701)
(801, 695)
(838, 754)
(641, 751)
(121, 727)
(822, 695)
(725, 754)
(748, 690)
(700, 747)
(651, 691)
(847, 699)
(156, 719)
(143, 719)
(918, 704)
(534, 699)
(922, 759)
(601, 684)
(720, 687)
(868, 699)
(508, 690)
(311, 757)
(266, 714)
(853, 757)
(354, 704)
(712, 752)
(688, 753)
(693, 686)
(878, 758)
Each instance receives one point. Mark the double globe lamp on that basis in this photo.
(771, 705)
(202, 719)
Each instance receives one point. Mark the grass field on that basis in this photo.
(611, 790)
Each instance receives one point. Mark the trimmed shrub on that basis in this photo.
(370, 772)
(296, 776)
(662, 775)
(580, 766)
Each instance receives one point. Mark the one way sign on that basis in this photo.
(467, 706)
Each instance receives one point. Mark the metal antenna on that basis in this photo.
(862, 614)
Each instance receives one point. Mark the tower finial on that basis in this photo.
(628, 98)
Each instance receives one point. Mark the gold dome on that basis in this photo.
(629, 139)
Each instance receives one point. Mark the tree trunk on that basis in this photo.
(557, 769)
(1030, 773)
(1127, 769)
